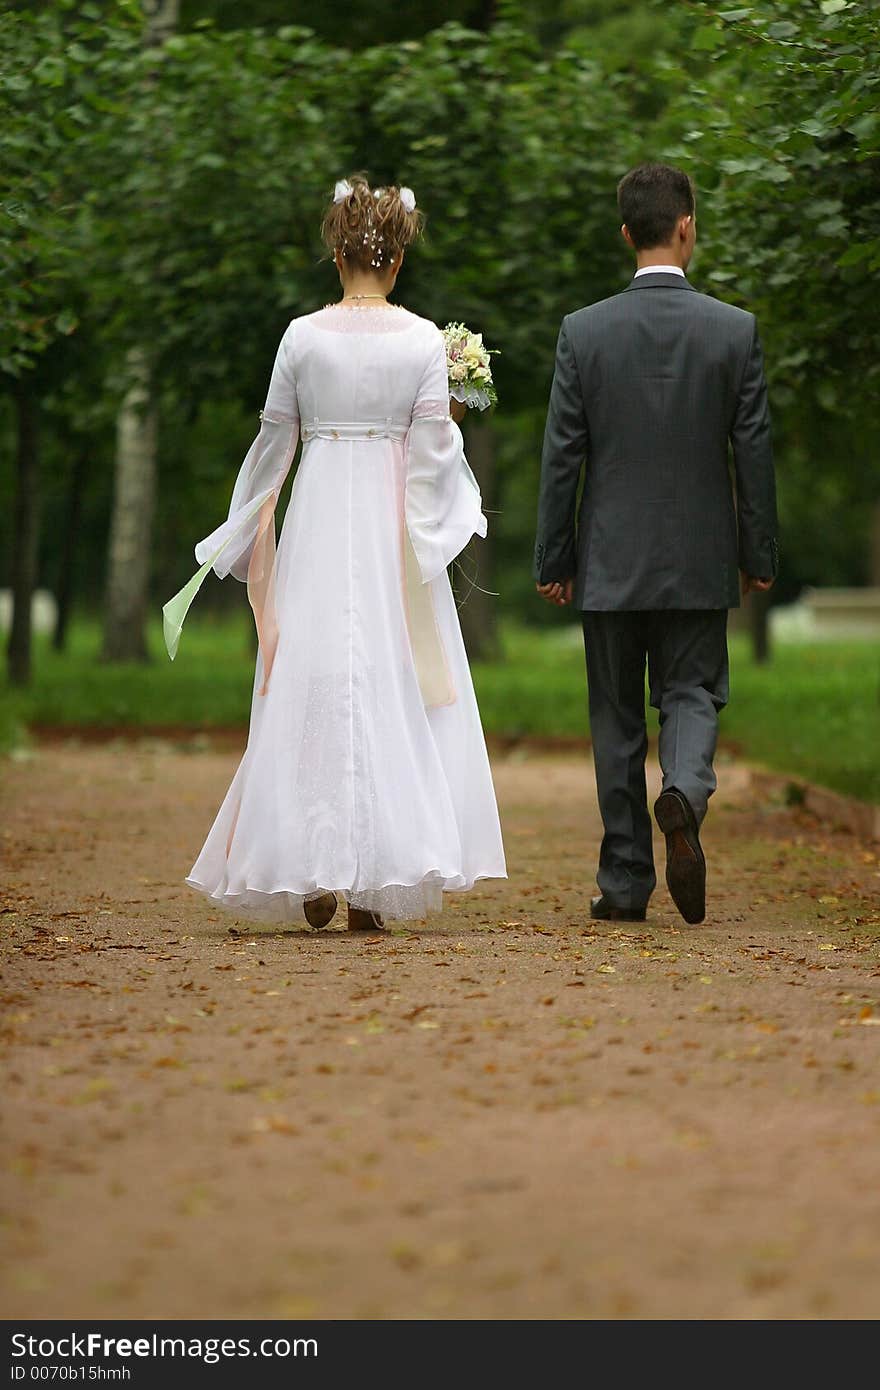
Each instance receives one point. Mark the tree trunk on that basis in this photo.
(875, 547)
(162, 17)
(26, 532)
(759, 625)
(479, 610)
(128, 570)
(134, 486)
(69, 542)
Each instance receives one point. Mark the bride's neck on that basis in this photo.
(371, 286)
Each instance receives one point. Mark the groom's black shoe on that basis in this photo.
(605, 911)
(685, 861)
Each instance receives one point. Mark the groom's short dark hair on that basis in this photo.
(651, 199)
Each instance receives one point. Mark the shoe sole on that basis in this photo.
(685, 861)
(319, 912)
(619, 914)
(371, 926)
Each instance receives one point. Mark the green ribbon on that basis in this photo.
(175, 610)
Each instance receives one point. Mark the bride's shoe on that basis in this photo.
(359, 919)
(321, 910)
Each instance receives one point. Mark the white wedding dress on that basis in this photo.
(365, 770)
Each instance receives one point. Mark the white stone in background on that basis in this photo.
(828, 615)
(792, 622)
(819, 615)
(44, 610)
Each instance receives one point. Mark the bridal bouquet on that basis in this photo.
(468, 366)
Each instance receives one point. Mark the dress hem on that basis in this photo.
(234, 902)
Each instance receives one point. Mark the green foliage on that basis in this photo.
(355, 25)
(207, 220)
(172, 197)
(198, 179)
(59, 77)
(782, 131)
(778, 122)
(515, 156)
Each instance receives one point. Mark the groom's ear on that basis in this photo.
(625, 233)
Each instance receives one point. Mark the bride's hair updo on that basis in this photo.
(370, 227)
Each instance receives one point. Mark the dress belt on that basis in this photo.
(389, 428)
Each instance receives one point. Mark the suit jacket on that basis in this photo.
(650, 388)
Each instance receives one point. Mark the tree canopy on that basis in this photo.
(169, 196)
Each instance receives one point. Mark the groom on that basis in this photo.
(649, 388)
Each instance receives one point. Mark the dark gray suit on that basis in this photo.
(650, 389)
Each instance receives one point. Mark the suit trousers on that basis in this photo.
(686, 655)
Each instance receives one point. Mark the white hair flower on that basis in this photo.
(408, 198)
(377, 192)
(341, 191)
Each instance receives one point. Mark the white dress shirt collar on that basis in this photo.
(660, 270)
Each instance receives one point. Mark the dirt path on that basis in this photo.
(509, 1112)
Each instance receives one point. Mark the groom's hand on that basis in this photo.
(560, 594)
(748, 582)
(457, 409)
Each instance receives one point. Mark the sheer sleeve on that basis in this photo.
(229, 548)
(443, 505)
(244, 544)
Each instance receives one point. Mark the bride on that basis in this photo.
(365, 776)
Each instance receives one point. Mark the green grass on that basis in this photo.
(208, 686)
(813, 712)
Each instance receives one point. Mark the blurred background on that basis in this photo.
(163, 170)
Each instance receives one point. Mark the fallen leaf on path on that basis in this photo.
(94, 1091)
(419, 1009)
(273, 1124)
(295, 1309)
(405, 1256)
